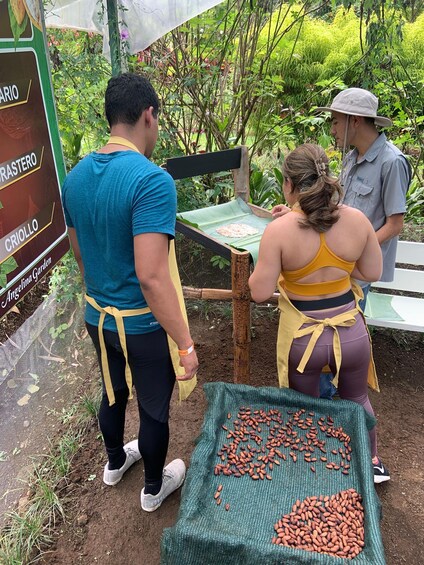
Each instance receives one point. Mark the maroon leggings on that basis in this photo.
(353, 375)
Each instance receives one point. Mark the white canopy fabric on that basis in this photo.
(141, 21)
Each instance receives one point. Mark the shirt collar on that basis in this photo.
(372, 151)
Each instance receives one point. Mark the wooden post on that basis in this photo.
(114, 37)
(241, 176)
(240, 271)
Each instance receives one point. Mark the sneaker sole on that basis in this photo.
(378, 480)
(160, 504)
(112, 484)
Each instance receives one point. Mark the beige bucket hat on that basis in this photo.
(357, 102)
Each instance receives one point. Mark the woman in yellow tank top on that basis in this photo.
(311, 253)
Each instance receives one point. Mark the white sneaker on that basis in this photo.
(172, 478)
(113, 477)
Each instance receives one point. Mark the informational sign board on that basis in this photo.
(32, 227)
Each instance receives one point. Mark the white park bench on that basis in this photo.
(400, 312)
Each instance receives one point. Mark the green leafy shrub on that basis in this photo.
(415, 203)
(265, 187)
(79, 76)
(412, 46)
(66, 282)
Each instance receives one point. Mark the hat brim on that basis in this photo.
(378, 120)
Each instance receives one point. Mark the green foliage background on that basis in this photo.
(252, 72)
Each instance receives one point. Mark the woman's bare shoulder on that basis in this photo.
(287, 219)
(351, 218)
(349, 212)
(284, 225)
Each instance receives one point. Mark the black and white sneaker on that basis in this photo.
(381, 473)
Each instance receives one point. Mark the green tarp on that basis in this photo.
(207, 534)
(236, 211)
(379, 306)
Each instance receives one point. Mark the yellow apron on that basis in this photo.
(290, 327)
(185, 387)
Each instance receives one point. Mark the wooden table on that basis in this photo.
(236, 160)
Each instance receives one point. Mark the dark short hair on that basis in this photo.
(127, 96)
(370, 121)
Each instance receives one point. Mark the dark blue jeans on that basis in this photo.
(326, 387)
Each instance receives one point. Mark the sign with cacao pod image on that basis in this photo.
(32, 228)
(20, 12)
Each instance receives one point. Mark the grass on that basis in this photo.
(60, 456)
(28, 532)
(90, 405)
(210, 309)
(24, 538)
(213, 310)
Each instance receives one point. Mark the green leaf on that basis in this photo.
(17, 29)
(9, 265)
(5, 268)
(278, 175)
(222, 125)
(325, 140)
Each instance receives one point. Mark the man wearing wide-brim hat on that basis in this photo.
(375, 178)
(375, 174)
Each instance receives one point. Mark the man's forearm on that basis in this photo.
(391, 228)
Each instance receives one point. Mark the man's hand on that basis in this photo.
(279, 210)
(391, 228)
(190, 364)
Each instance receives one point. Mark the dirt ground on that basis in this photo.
(106, 524)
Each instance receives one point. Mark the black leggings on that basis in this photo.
(154, 379)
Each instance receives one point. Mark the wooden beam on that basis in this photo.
(207, 293)
(217, 294)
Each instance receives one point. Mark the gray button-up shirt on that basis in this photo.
(376, 184)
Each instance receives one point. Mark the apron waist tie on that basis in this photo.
(346, 319)
(119, 316)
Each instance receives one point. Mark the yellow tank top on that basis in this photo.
(324, 258)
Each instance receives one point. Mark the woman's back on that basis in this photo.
(343, 244)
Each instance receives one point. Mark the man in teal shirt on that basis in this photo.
(120, 209)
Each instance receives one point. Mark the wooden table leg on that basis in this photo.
(240, 272)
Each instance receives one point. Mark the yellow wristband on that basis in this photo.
(184, 352)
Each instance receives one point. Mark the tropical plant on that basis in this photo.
(265, 187)
(65, 281)
(79, 76)
(213, 72)
(415, 203)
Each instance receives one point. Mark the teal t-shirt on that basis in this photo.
(109, 199)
